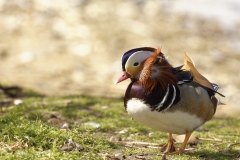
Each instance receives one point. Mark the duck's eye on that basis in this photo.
(136, 64)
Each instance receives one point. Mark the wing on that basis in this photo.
(186, 76)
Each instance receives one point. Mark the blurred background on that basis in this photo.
(74, 47)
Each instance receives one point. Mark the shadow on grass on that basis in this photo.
(218, 155)
(18, 92)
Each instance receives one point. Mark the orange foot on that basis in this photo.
(170, 147)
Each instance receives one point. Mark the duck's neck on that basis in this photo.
(159, 75)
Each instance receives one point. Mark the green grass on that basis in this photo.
(32, 130)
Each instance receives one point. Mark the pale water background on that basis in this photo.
(227, 12)
(71, 47)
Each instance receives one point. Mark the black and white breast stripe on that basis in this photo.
(171, 96)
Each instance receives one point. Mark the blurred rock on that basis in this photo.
(17, 101)
(123, 131)
(115, 139)
(193, 140)
(66, 126)
(141, 156)
(92, 124)
(70, 145)
(104, 107)
(150, 134)
(119, 156)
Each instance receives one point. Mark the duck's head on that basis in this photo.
(148, 66)
(133, 62)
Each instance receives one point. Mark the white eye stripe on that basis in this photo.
(138, 56)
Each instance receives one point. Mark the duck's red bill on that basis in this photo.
(123, 77)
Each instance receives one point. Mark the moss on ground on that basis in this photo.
(83, 127)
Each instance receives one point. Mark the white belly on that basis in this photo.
(174, 122)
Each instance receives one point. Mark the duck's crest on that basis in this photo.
(164, 76)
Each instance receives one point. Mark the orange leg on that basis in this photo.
(187, 136)
(170, 146)
(183, 146)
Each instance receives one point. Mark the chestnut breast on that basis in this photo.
(135, 90)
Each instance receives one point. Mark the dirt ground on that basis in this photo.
(75, 47)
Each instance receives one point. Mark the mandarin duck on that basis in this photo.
(173, 100)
